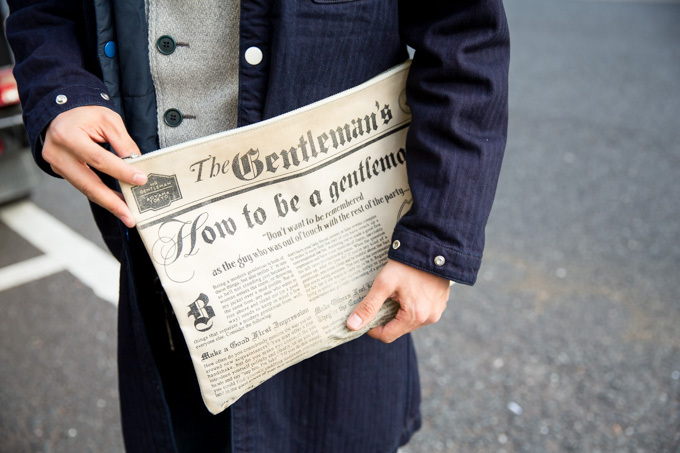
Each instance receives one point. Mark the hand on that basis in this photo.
(72, 149)
(422, 298)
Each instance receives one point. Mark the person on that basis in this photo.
(100, 81)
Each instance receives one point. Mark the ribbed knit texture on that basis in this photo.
(200, 78)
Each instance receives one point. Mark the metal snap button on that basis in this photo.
(396, 244)
(105, 96)
(439, 260)
(61, 99)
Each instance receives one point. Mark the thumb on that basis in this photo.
(364, 313)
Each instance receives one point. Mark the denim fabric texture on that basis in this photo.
(360, 397)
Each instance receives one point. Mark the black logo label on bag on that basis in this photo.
(158, 192)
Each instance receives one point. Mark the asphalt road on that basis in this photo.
(568, 342)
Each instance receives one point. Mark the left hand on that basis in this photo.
(422, 298)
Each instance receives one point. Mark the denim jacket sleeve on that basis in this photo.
(56, 67)
(457, 91)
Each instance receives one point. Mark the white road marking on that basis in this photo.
(29, 270)
(63, 249)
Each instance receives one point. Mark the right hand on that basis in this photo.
(72, 148)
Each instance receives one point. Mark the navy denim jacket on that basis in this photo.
(457, 92)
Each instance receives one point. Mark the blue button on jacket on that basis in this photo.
(362, 396)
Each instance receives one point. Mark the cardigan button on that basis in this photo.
(173, 117)
(253, 56)
(166, 45)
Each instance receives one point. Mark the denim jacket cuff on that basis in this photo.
(434, 257)
(51, 105)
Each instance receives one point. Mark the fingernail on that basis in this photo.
(126, 220)
(354, 322)
(139, 179)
